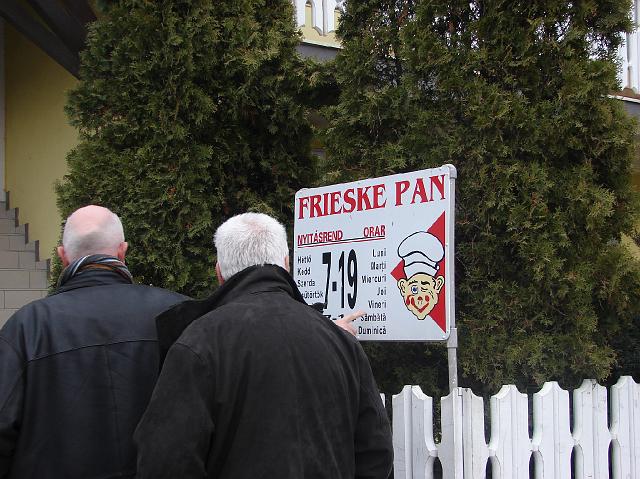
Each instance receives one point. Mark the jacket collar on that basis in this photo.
(92, 277)
(268, 278)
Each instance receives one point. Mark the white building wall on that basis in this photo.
(629, 53)
(322, 14)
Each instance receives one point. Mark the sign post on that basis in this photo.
(384, 245)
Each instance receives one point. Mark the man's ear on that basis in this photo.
(122, 250)
(62, 255)
(219, 274)
(439, 283)
(401, 284)
(287, 266)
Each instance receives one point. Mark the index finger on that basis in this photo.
(353, 316)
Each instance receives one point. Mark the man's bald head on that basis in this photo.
(92, 230)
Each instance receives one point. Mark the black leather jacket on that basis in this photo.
(260, 385)
(76, 371)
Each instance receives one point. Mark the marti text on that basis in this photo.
(362, 198)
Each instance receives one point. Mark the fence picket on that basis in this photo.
(424, 447)
(510, 443)
(625, 428)
(402, 434)
(474, 446)
(551, 431)
(591, 431)
(450, 448)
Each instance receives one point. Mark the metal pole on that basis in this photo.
(452, 358)
(452, 342)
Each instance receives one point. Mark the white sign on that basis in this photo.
(383, 245)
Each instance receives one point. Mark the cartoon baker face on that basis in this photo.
(420, 293)
(421, 253)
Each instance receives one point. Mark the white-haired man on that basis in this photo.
(77, 368)
(260, 385)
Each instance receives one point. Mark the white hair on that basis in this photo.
(102, 236)
(250, 239)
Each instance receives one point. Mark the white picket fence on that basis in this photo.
(603, 429)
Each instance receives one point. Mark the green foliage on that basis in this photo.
(514, 94)
(189, 112)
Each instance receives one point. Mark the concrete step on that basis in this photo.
(20, 260)
(6, 240)
(7, 213)
(43, 265)
(26, 259)
(11, 259)
(15, 242)
(23, 278)
(8, 226)
(16, 279)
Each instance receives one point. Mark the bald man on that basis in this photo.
(77, 368)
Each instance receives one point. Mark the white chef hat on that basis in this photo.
(421, 252)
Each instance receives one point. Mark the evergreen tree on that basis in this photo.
(515, 94)
(189, 111)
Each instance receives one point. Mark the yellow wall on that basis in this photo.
(38, 135)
